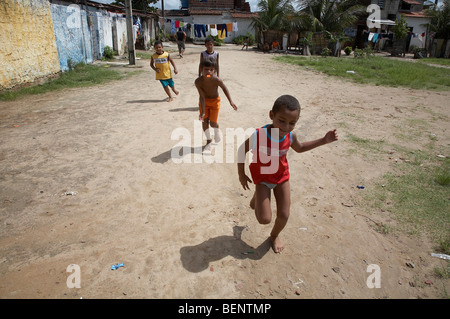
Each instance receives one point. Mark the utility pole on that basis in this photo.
(130, 33)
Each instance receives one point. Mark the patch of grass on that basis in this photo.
(377, 70)
(415, 192)
(443, 272)
(366, 146)
(419, 197)
(81, 75)
(144, 55)
(438, 61)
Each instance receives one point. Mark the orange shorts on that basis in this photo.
(212, 107)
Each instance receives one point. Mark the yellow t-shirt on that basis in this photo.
(162, 63)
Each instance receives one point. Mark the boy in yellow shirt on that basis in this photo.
(160, 64)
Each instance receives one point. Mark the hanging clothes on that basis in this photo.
(235, 27)
(229, 27)
(223, 30)
(213, 30)
(199, 29)
(172, 27)
(375, 37)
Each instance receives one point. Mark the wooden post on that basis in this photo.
(130, 40)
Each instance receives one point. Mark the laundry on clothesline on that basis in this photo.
(200, 30)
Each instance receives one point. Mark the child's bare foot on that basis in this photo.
(176, 92)
(170, 99)
(277, 245)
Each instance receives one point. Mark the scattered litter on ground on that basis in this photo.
(117, 266)
(443, 256)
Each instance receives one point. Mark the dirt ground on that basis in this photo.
(87, 179)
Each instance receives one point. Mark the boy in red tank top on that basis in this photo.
(269, 168)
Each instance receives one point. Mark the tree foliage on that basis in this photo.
(144, 5)
(440, 20)
(274, 15)
(400, 28)
(310, 15)
(328, 15)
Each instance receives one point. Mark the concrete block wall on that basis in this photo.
(28, 48)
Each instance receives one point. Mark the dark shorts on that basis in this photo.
(181, 45)
(168, 82)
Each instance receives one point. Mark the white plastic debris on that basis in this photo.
(442, 256)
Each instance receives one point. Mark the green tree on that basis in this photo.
(400, 28)
(440, 20)
(440, 23)
(274, 15)
(144, 5)
(328, 15)
(400, 31)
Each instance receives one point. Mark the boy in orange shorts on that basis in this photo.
(208, 87)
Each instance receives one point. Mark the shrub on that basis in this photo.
(325, 52)
(217, 40)
(241, 39)
(348, 50)
(108, 52)
(363, 53)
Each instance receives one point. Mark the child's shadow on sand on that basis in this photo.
(178, 152)
(197, 258)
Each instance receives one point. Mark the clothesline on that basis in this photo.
(374, 36)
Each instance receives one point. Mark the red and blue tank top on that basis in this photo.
(269, 163)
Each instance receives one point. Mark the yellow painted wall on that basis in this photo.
(27, 42)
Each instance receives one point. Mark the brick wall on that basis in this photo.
(211, 4)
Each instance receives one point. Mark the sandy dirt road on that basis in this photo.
(87, 179)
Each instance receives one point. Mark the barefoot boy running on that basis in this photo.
(269, 168)
(208, 87)
(160, 64)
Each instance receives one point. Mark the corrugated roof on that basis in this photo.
(412, 1)
(113, 8)
(206, 11)
(244, 14)
(414, 14)
(233, 13)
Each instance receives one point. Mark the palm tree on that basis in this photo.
(328, 15)
(273, 15)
